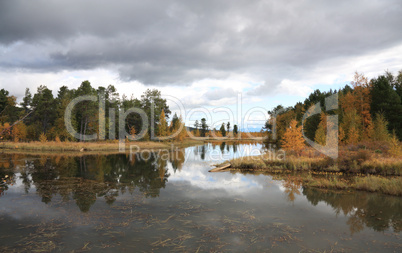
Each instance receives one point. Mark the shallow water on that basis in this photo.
(168, 201)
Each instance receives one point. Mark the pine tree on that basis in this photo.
(386, 99)
(223, 130)
(293, 138)
(235, 130)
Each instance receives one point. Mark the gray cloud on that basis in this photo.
(172, 42)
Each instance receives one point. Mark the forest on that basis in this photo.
(369, 113)
(41, 116)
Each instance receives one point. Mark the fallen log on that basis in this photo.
(223, 167)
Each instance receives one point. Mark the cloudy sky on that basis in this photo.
(203, 52)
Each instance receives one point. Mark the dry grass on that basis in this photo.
(292, 163)
(383, 166)
(104, 146)
(391, 186)
(362, 162)
(370, 183)
(385, 185)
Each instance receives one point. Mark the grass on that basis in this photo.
(392, 186)
(370, 183)
(104, 146)
(291, 163)
(357, 171)
(382, 165)
(349, 163)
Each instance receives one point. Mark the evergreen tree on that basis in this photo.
(27, 100)
(204, 127)
(235, 130)
(387, 101)
(154, 97)
(44, 113)
(196, 124)
(223, 130)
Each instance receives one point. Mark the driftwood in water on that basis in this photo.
(223, 167)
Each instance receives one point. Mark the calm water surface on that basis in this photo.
(168, 201)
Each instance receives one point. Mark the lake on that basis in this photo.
(168, 201)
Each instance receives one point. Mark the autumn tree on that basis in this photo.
(380, 128)
(19, 132)
(362, 103)
(162, 125)
(321, 133)
(395, 146)
(183, 132)
(351, 125)
(293, 138)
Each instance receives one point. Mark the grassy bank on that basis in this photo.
(371, 183)
(374, 173)
(90, 147)
(352, 163)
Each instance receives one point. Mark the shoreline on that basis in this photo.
(102, 147)
(81, 148)
(318, 172)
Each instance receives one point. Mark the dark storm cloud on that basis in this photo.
(172, 42)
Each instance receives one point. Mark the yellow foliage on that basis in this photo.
(19, 132)
(42, 138)
(132, 132)
(395, 146)
(353, 137)
(293, 138)
(162, 125)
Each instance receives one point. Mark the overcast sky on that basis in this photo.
(203, 52)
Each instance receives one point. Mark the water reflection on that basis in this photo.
(86, 178)
(253, 210)
(375, 211)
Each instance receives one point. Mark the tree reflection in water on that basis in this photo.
(86, 178)
(376, 211)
